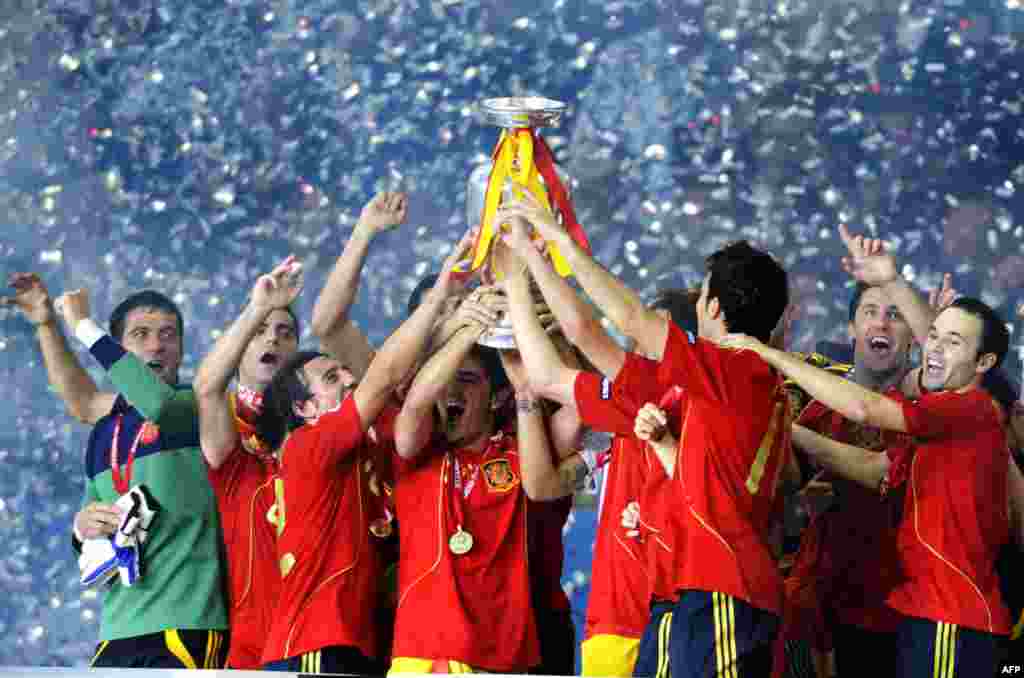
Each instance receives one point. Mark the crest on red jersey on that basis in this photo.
(499, 475)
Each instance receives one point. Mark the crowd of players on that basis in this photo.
(400, 509)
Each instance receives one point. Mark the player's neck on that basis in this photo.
(878, 381)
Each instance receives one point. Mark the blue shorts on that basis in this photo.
(941, 650)
(707, 634)
(652, 656)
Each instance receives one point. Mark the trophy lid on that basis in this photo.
(511, 112)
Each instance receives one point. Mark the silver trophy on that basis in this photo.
(509, 113)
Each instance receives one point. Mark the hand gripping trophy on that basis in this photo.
(521, 162)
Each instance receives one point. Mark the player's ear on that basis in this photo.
(714, 308)
(304, 409)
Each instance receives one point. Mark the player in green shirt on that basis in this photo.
(147, 434)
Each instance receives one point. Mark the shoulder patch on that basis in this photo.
(689, 337)
(606, 389)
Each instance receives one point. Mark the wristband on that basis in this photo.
(88, 332)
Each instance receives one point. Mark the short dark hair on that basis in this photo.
(995, 338)
(144, 299)
(422, 287)
(751, 287)
(288, 387)
(858, 292)
(681, 305)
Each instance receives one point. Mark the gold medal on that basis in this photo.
(461, 542)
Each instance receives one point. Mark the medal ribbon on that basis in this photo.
(123, 483)
(522, 157)
(458, 510)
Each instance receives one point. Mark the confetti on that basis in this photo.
(189, 146)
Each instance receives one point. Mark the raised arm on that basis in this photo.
(575, 318)
(414, 424)
(870, 263)
(338, 334)
(400, 353)
(845, 396)
(218, 433)
(547, 373)
(620, 304)
(84, 401)
(158, 401)
(547, 474)
(862, 466)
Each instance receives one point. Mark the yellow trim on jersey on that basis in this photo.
(767, 445)
(178, 649)
(400, 665)
(1018, 628)
(609, 655)
(99, 651)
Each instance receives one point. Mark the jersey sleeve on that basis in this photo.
(938, 415)
(159, 402)
(336, 435)
(611, 406)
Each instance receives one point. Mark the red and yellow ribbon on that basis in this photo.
(522, 157)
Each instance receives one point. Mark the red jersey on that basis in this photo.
(626, 572)
(328, 567)
(474, 607)
(859, 529)
(244, 488)
(734, 443)
(955, 516)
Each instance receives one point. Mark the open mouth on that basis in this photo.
(880, 344)
(933, 366)
(455, 409)
(269, 359)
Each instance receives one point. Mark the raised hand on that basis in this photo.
(30, 297)
(868, 261)
(942, 297)
(484, 307)
(453, 276)
(385, 211)
(533, 212)
(515, 233)
(280, 287)
(73, 306)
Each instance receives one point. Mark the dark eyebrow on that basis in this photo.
(958, 336)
